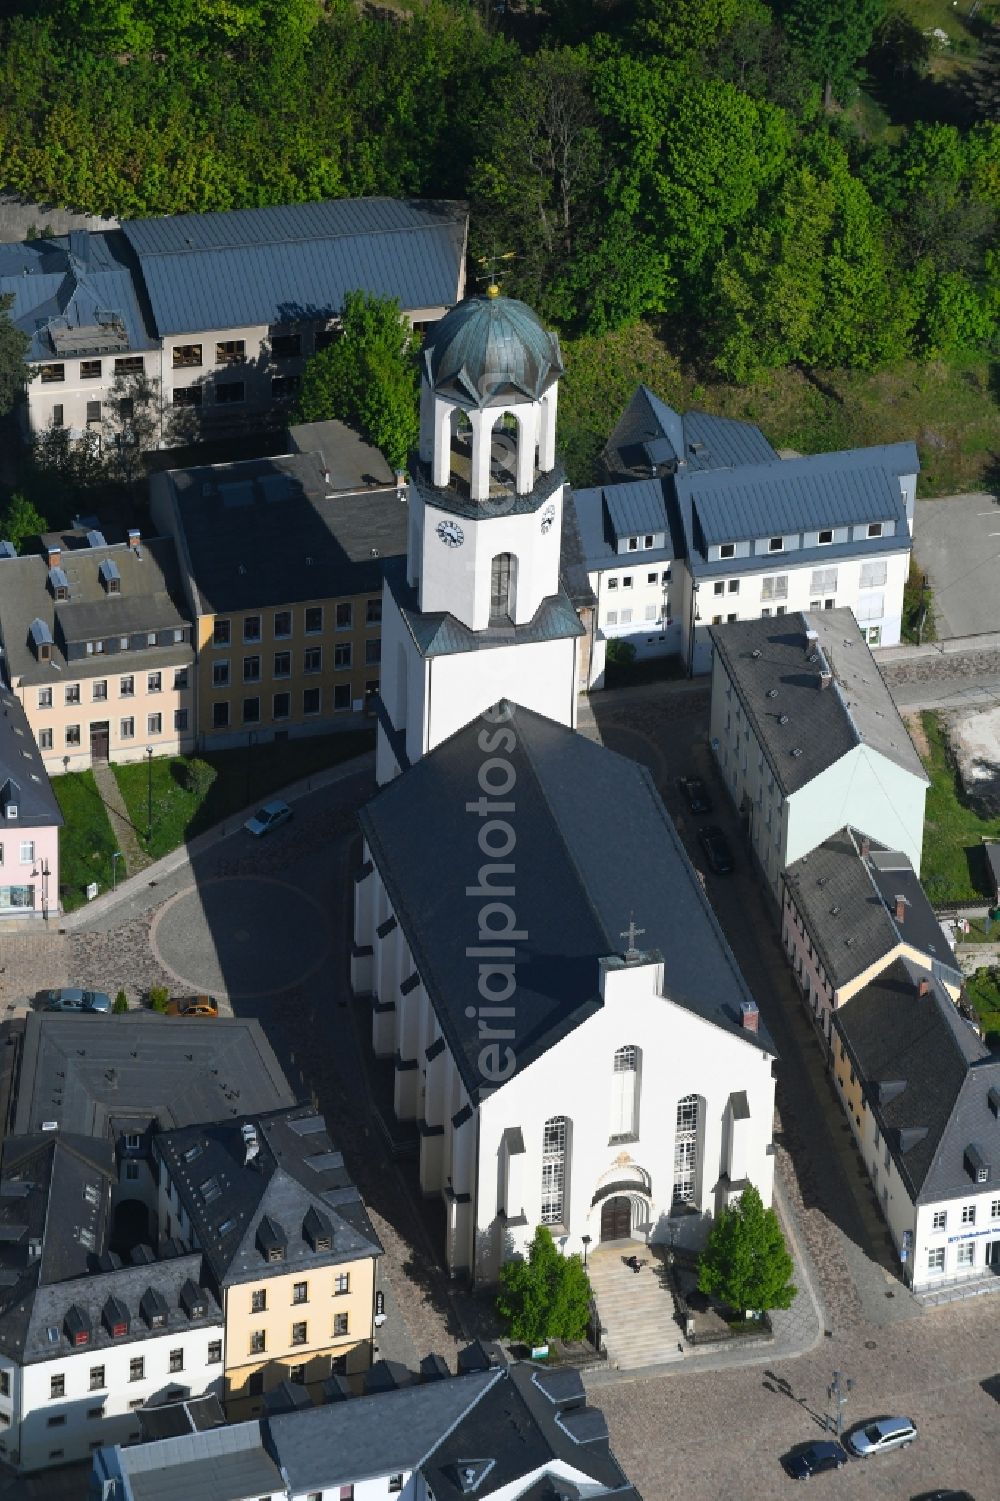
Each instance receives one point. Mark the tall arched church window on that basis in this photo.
(686, 1150)
(554, 1171)
(625, 1095)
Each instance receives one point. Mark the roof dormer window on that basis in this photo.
(875, 529)
(727, 550)
(776, 544)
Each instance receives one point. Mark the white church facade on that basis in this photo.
(568, 1030)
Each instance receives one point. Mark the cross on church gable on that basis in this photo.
(632, 933)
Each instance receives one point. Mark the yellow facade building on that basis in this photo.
(282, 562)
(288, 1246)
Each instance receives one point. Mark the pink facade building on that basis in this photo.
(29, 821)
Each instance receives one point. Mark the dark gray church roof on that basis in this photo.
(777, 670)
(292, 262)
(594, 843)
(490, 350)
(927, 1079)
(847, 900)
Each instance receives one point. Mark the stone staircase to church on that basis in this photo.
(636, 1309)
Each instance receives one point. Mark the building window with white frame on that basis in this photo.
(966, 1254)
(935, 1259)
(686, 1150)
(27, 851)
(968, 1214)
(625, 1095)
(554, 1171)
(873, 575)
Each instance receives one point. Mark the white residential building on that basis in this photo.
(808, 739)
(508, 1432)
(702, 524)
(922, 1094)
(216, 312)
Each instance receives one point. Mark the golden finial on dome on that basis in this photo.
(491, 270)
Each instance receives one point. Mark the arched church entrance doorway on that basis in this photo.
(616, 1219)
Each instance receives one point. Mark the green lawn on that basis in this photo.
(86, 842)
(983, 990)
(949, 410)
(190, 794)
(953, 868)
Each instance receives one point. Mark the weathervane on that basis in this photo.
(489, 274)
(632, 933)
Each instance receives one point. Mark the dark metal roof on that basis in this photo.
(802, 716)
(23, 779)
(572, 561)
(169, 1419)
(220, 1464)
(243, 1210)
(920, 1042)
(69, 306)
(651, 438)
(594, 843)
(285, 264)
(641, 501)
(491, 350)
(440, 634)
(143, 1068)
(309, 543)
(847, 902)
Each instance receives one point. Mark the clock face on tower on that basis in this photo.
(451, 533)
(548, 516)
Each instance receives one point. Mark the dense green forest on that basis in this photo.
(795, 185)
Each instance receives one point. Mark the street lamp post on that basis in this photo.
(838, 1392)
(115, 857)
(586, 1246)
(149, 793)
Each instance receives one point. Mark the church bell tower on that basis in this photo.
(479, 612)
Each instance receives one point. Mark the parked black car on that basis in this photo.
(822, 1455)
(695, 794)
(717, 852)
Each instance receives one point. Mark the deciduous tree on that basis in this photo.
(20, 521)
(745, 1263)
(547, 1296)
(13, 347)
(367, 377)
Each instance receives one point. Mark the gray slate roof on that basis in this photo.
(290, 263)
(63, 284)
(150, 600)
(489, 350)
(847, 902)
(823, 724)
(440, 634)
(93, 1079)
(222, 1464)
(352, 463)
(294, 1171)
(347, 1442)
(594, 843)
(633, 507)
(896, 1037)
(127, 1284)
(266, 532)
(651, 438)
(23, 780)
(796, 495)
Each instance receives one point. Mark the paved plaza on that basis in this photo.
(269, 922)
(957, 544)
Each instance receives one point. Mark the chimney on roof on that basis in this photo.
(135, 540)
(400, 479)
(866, 847)
(251, 1143)
(811, 638)
(923, 985)
(825, 677)
(900, 908)
(54, 554)
(749, 1016)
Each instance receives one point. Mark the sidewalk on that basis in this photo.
(136, 885)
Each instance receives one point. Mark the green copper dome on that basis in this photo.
(490, 350)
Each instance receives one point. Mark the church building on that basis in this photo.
(569, 1031)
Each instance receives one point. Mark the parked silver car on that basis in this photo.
(880, 1435)
(271, 816)
(69, 998)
